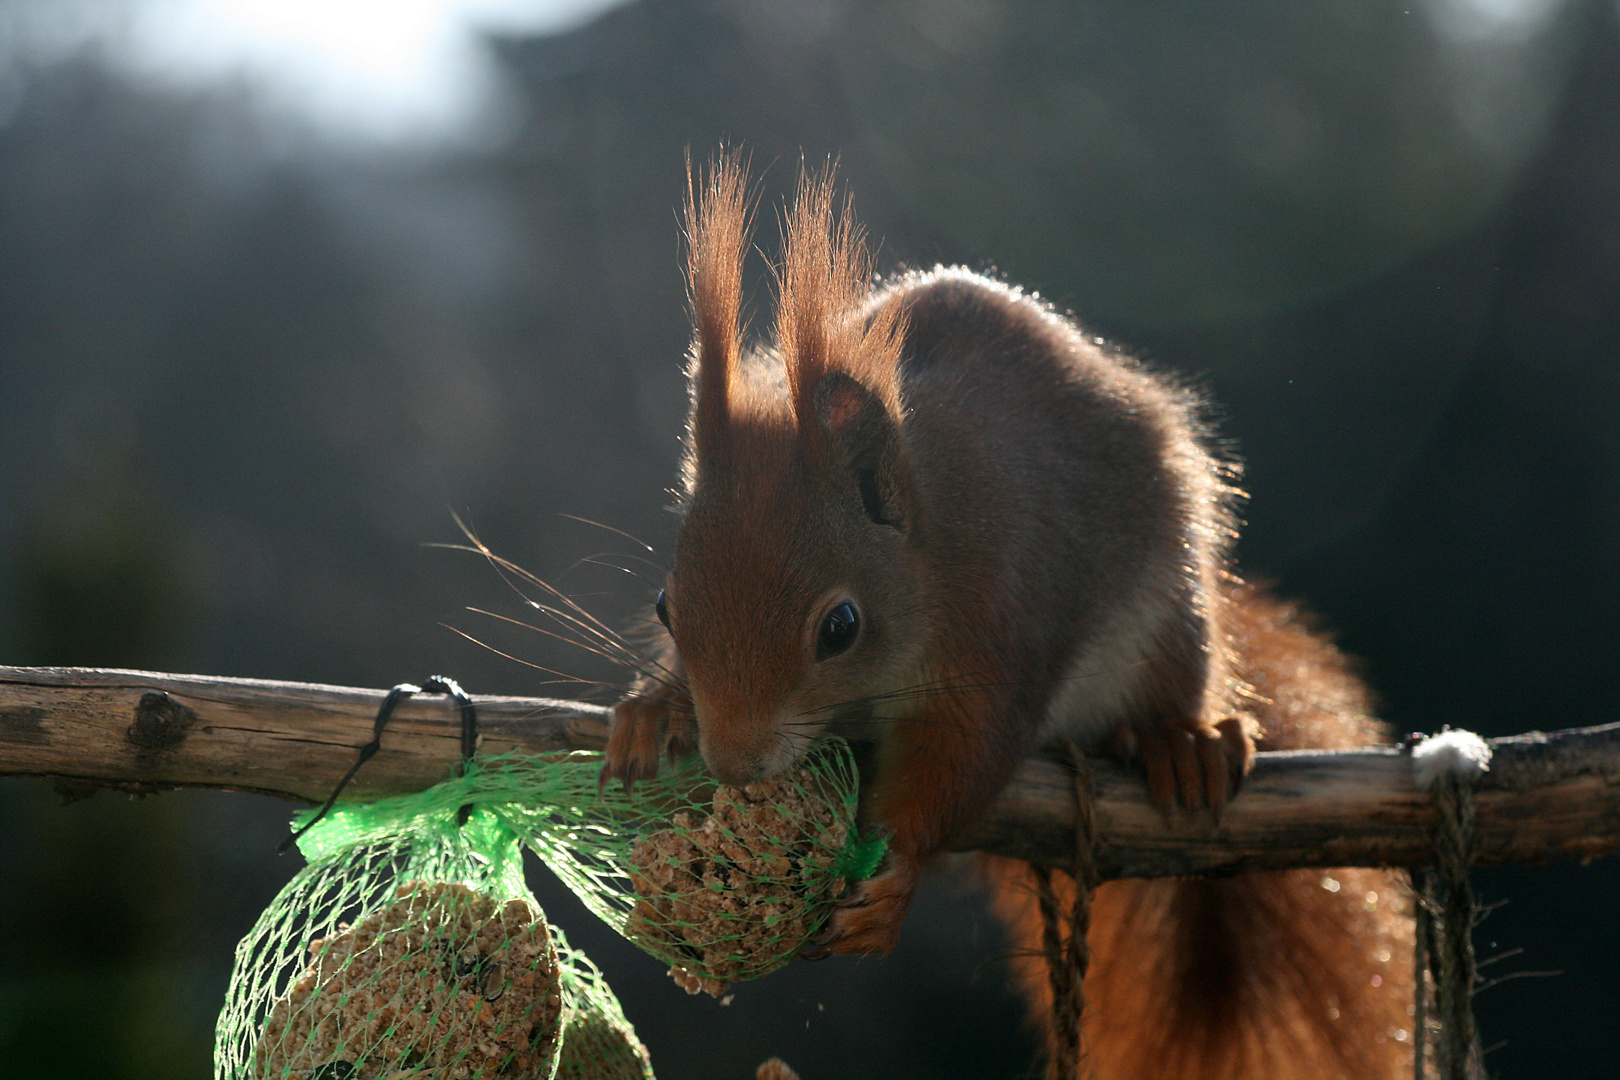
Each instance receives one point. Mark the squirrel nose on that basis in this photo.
(735, 761)
(733, 769)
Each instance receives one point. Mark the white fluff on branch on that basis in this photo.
(1451, 753)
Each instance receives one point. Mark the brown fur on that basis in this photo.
(1034, 534)
(1264, 975)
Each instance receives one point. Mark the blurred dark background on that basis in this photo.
(250, 364)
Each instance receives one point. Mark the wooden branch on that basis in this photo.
(1545, 796)
(143, 731)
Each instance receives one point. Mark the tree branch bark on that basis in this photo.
(1545, 796)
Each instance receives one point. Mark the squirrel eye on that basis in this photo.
(838, 630)
(662, 607)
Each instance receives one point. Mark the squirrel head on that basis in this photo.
(792, 597)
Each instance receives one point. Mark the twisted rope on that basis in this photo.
(1454, 995)
(1422, 951)
(1069, 955)
(1063, 1035)
(1448, 765)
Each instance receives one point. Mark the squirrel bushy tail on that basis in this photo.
(1291, 976)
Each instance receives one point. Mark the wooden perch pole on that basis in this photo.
(1546, 795)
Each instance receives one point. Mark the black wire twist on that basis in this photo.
(433, 684)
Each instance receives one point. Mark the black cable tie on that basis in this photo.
(439, 684)
(433, 684)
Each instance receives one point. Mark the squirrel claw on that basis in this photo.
(645, 728)
(1195, 768)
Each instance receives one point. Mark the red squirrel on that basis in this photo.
(938, 516)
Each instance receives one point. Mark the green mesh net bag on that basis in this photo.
(410, 941)
(409, 946)
(722, 883)
(598, 1041)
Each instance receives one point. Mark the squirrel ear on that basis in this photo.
(843, 403)
(865, 437)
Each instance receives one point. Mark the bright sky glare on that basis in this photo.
(410, 69)
(380, 68)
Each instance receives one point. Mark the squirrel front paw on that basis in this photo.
(654, 722)
(867, 920)
(1197, 767)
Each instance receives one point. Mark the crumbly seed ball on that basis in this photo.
(775, 1069)
(443, 979)
(596, 1047)
(728, 897)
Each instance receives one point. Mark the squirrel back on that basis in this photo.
(1072, 494)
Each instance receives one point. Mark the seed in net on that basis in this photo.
(598, 1047)
(444, 981)
(736, 894)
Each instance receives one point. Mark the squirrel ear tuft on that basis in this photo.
(717, 225)
(821, 321)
